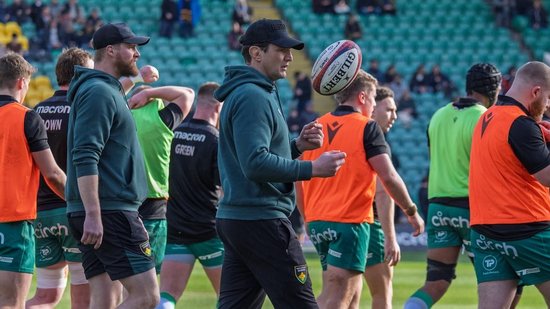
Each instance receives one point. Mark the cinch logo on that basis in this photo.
(1, 238)
(56, 230)
(503, 248)
(326, 235)
(489, 263)
(440, 220)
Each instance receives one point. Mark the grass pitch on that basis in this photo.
(409, 276)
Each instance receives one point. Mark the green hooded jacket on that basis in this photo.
(102, 140)
(256, 156)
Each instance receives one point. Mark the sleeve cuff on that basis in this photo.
(305, 171)
(86, 170)
(294, 149)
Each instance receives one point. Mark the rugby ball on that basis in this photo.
(336, 67)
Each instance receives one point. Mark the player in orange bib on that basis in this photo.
(339, 210)
(509, 200)
(24, 155)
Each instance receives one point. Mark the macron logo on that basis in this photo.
(332, 130)
(485, 121)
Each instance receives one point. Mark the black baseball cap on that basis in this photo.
(269, 31)
(115, 33)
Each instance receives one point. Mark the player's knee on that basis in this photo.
(51, 278)
(149, 298)
(44, 298)
(440, 271)
(152, 300)
(337, 278)
(145, 300)
(77, 274)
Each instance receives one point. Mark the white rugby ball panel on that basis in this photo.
(336, 67)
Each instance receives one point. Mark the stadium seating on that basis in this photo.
(40, 88)
(8, 29)
(538, 40)
(187, 62)
(454, 34)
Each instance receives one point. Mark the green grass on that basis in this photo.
(409, 276)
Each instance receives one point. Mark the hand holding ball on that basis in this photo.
(336, 67)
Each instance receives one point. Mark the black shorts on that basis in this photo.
(263, 256)
(125, 250)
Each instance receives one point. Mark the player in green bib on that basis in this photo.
(155, 121)
(450, 138)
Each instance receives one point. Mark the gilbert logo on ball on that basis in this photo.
(336, 67)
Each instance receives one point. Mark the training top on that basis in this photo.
(348, 196)
(256, 156)
(155, 123)
(55, 113)
(22, 132)
(102, 140)
(450, 139)
(194, 182)
(507, 149)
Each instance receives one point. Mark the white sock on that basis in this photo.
(165, 304)
(415, 303)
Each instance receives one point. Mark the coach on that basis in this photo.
(106, 175)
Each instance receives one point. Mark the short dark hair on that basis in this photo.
(13, 67)
(383, 93)
(64, 69)
(245, 51)
(99, 54)
(206, 93)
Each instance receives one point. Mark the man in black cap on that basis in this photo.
(107, 182)
(258, 171)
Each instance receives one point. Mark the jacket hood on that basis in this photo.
(236, 76)
(82, 74)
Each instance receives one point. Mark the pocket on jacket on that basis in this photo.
(283, 188)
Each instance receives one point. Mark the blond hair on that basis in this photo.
(363, 81)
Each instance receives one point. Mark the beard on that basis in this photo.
(126, 68)
(537, 108)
